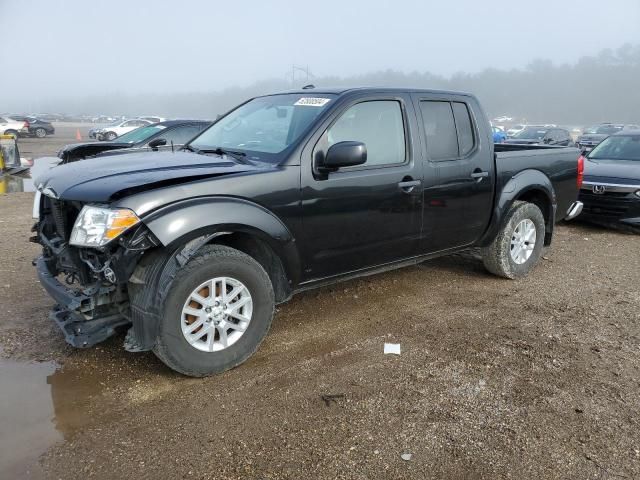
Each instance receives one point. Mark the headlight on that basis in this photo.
(637, 193)
(97, 226)
(36, 205)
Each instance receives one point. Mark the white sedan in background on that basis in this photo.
(113, 131)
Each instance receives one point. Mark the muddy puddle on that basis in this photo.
(40, 404)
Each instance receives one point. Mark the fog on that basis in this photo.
(198, 58)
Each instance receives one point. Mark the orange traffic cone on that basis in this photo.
(78, 136)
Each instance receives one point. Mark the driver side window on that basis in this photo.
(379, 125)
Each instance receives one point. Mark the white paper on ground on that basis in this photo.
(392, 348)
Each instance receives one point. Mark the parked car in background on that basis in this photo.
(105, 119)
(542, 136)
(192, 249)
(515, 129)
(499, 136)
(9, 126)
(592, 136)
(611, 188)
(36, 127)
(49, 117)
(153, 119)
(93, 131)
(113, 131)
(167, 135)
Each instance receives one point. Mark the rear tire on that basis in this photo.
(518, 245)
(192, 358)
(40, 132)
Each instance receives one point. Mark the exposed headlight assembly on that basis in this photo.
(36, 205)
(97, 226)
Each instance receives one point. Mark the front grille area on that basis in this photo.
(54, 228)
(58, 218)
(609, 204)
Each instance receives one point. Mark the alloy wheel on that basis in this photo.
(216, 314)
(523, 241)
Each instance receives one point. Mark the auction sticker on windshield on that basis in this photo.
(312, 102)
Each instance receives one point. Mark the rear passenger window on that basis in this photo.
(448, 128)
(379, 125)
(440, 129)
(465, 130)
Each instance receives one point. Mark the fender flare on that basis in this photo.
(180, 222)
(524, 182)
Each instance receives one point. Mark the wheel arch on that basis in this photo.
(237, 223)
(531, 186)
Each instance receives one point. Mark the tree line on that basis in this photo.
(603, 87)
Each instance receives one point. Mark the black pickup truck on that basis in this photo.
(190, 250)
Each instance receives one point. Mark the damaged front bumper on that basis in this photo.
(75, 312)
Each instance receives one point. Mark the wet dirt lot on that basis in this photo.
(537, 378)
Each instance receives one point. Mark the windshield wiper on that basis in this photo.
(192, 149)
(238, 156)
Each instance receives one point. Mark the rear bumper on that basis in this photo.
(574, 210)
(79, 330)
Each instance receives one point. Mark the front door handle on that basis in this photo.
(479, 174)
(408, 185)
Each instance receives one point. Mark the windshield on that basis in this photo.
(139, 134)
(624, 147)
(264, 126)
(532, 133)
(603, 129)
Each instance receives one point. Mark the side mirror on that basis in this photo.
(158, 142)
(344, 154)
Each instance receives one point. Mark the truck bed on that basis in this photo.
(559, 164)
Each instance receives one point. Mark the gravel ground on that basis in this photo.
(536, 378)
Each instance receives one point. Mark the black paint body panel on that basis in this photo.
(346, 224)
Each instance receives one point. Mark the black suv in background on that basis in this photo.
(592, 136)
(533, 135)
(37, 127)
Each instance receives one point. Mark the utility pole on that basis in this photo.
(297, 68)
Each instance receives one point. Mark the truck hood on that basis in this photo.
(599, 170)
(77, 151)
(105, 180)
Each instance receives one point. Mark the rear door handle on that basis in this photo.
(409, 185)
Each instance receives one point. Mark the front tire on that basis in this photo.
(518, 245)
(40, 132)
(110, 136)
(12, 132)
(216, 313)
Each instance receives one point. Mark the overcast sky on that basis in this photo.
(57, 48)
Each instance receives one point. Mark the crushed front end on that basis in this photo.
(89, 284)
